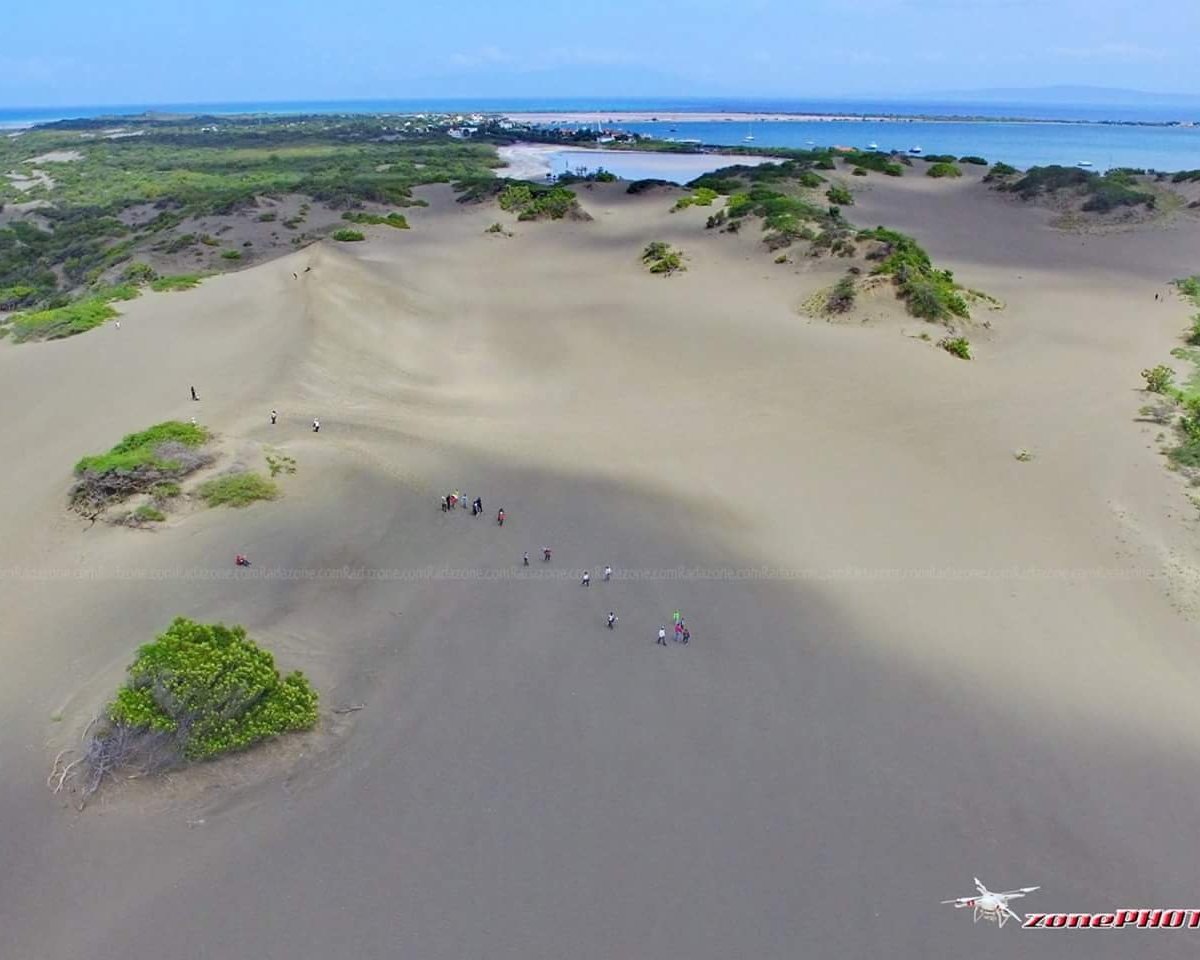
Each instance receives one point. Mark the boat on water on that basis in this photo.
(870, 146)
(1083, 163)
(914, 149)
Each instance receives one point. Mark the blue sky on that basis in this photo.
(75, 52)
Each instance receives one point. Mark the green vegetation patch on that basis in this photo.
(531, 202)
(237, 490)
(871, 160)
(973, 160)
(60, 322)
(661, 258)
(348, 236)
(149, 514)
(940, 170)
(928, 292)
(206, 690)
(1102, 193)
(842, 295)
(139, 463)
(182, 281)
(1000, 172)
(392, 219)
(700, 197)
(839, 195)
(651, 183)
(957, 347)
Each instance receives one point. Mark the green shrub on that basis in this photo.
(495, 228)
(165, 490)
(237, 490)
(939, 170)
(1190, 288)
(939, 158)
(143, 448)
(1000, 171)
(975, 161)
(871, 160)
(700, 197)
(660, 258)
(75, 318)
(348, 236)
(641, 186)
(149, 514)
(396, 220)
(213, 689)
(210, 241)
(841, 297)
(182, 281)
(138, 273)
(839, 195)
(928, 293)
(1159, 379)
(1186, 176)
(231, 254)
(268, 217)
(956, 346)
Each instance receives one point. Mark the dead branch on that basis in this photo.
(351, 708)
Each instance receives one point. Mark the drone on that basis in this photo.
(993, 907)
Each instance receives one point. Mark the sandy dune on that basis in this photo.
(914, 659)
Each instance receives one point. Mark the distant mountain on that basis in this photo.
(1073, 95)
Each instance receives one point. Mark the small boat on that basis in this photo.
(914, 149)
(1084, 163)
(749, 135)
(870, 146)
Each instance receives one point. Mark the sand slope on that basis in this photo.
(946, 663)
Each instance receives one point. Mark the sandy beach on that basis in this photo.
(914, 659)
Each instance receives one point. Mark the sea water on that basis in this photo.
(1116, 135)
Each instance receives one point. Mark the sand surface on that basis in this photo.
(914, 659)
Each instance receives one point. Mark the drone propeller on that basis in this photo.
(961, 901)
(1020, 892)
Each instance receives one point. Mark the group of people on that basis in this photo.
(453, 501)
(682, 633)
(316, 424)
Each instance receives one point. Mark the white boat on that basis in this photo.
(914, 149)
(870, 146)
(1084, 163)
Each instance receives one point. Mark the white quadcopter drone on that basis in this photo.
(993, 907)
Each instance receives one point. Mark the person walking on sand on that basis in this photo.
(678, 631)
(612, 619)
(662, 636)
(274, 417)
(500, 517)
(587, 579)
(194, 397)
(687, 636)
(479, 505)
(525, 559)
(316, 425)
(545, 554)
(608, 573)
(677, 615)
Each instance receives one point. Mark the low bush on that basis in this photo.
(268, 217)
(1000, 171)
(973, 160)
(641, 186)
(700, 197)
(1159, 379)
(956, 346)
(660, 258)
(1186, 176)
(182, 281)
(939, 170)
(208, 689)
(870, 160)
(140, 463)
(839, 195)
(231, 254)
(237, 490)
(137, 273)
(393, 219)
(149, 514)
(842, 295)
(928, 293)
(348, 236)
(939, 158)
(60, 322)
